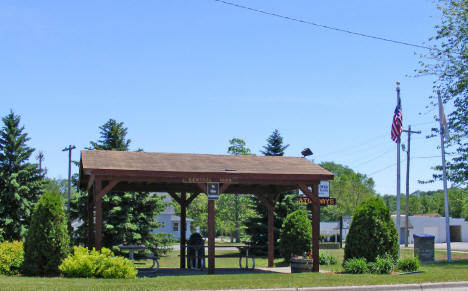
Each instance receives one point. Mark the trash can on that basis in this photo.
(424, 247)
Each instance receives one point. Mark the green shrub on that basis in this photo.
(372, 232)
(356, 266)
(296, 234)
(408, 264)
(95, 264)
(1, 235)
(382, 265)
(326, 259)
(47, 241)
(11, 257)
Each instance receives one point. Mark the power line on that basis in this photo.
(394, 164)
(324, 26)
(374, 158)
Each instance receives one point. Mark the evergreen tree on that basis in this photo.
(372, 232)
(257, 226)
(20, 181)
(47, 242)
(113, 137)
(296, 228)
(275, 145)
(128, 218)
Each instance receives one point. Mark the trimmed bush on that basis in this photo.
(326, 259)
(382, 265)
(47, 241)
(372, 232)
(355, 266)
(408, 264)
(296, 234)
(94, 264)
(11, 257)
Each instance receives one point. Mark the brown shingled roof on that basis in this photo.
(202, 163)
(159, 168)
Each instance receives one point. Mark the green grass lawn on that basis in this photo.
(437, 272)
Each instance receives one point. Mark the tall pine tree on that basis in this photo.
(275, 145)
(21, 182)
(257, 226)
(128, 218)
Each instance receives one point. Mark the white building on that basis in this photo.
(435, 225)
(171, 222)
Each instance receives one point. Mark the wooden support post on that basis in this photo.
(183, 227)
(211, 236)
(98, 194)
(98, 205)
(271, 240)
(90, 218)
(313, 195)
(98, 223)
(315, 231)
(270, 205)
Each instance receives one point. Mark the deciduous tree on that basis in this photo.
(448, 61)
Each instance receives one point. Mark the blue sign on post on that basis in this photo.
(213, 191)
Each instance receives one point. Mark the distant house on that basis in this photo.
(171, 222)
(433, 224)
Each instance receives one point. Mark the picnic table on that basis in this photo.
(132, 248)
(242, 257)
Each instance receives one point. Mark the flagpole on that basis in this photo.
(398, 175)
(444, 174)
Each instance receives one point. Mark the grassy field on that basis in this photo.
(437, 272)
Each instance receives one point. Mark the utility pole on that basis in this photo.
(69, 149)
(407, 180)
(444, 132)
(40, 157)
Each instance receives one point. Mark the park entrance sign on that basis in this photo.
(185, 176)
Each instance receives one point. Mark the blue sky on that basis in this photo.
(187, 76)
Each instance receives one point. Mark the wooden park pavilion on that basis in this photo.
(185, 176)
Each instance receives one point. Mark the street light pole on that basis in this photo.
(69, 149)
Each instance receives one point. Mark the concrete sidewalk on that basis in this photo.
(459, 246)
(452, 286)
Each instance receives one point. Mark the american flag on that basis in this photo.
(397, 122)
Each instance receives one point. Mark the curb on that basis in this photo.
(421, 286)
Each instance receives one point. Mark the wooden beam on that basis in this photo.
(211, 236)
(91, 181)
(98, 204)
(313, 195)
(183, 227)
(223, 187)
(202, 187)
(100, 193)
(90, 218)
(193, 196)
(268, 204)
(271, 240)
(175, 197)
